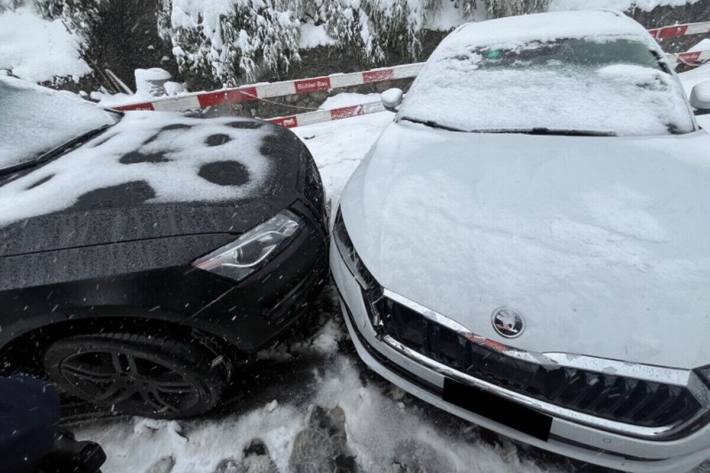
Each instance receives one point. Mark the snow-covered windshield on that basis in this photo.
(606, 84)
(36, 120)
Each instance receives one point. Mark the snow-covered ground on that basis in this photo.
(316, 405)
(371, 427)
(322, 408)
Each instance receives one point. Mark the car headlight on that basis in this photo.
(349, 255)
(247, 253)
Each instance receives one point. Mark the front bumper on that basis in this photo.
(246, 314)
(566, 437)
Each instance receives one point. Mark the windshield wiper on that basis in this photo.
(53, 153)
(548, 131)
(524, 131)
(431, 123)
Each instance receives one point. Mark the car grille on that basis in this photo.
(608, 396)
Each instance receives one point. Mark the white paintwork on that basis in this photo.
(600, 242)
(677, 456)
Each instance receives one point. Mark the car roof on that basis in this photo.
(546, 27)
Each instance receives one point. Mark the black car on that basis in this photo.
(142, 254)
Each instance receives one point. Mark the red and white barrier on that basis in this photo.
(685, 29)
(250, 93)
(320, 116)
(693, 58)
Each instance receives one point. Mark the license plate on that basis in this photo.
(498, 409)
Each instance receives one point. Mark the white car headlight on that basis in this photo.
(349, 255)
(244, 255)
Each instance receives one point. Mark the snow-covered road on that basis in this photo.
(312, 406)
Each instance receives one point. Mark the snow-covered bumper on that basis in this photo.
(492, 408)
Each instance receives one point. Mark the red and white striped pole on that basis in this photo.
(250, 93)
(685, 29)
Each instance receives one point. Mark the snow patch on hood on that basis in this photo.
(159, 156)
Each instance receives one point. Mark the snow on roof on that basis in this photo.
(35, 119)
(599, 76)
(169, 157)
(624, 5)
(545, 27)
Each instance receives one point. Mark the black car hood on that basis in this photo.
(153, 175)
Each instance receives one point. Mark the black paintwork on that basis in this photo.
(120, 213)
(116, 253)
(225, 173)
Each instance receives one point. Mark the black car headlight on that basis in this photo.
(350, 257)
(251, 250)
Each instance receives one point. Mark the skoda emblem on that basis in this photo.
(508, 322)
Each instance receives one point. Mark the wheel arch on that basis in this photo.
(25, 351)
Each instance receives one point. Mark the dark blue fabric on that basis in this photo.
(29, 412)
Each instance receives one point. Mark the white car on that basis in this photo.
(527, 245)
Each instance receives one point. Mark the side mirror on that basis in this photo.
(391, 98)
(700, 97)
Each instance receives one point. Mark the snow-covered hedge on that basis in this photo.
(227, 42)
(498, 8)
(80, 16)
(233, 41)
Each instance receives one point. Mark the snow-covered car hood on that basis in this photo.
(600, 242)
(152, 175)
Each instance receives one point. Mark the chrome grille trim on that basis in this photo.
(670, 376)
(659, 374)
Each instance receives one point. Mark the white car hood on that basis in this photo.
(602, 243)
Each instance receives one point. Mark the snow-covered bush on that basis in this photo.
(236, 40)
(80, 16)
(498, 8)
(227, 42)
(378, 27)
(231, 40)
(224, 42)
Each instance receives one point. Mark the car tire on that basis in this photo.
(133, 374)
